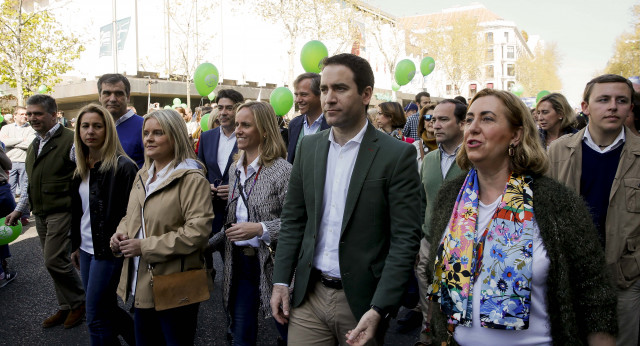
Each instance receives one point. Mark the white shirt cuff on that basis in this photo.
(280, 284)
(265, 237)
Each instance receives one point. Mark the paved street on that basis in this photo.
(30, 298)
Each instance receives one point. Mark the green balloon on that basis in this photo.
(542, 94)
(427, 65)
(167, 107)
(176, 101)
(281, 100)
(42, 89)
(206, 78)
(1, 118)
(204, 122)
(9, 233)
(312, 55)
(517, 89)
(395, 86)
(405, 70)
(211, 96)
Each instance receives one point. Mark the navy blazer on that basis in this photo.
(208, 154)
(295, 127)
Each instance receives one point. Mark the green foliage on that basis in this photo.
(540, 71)
(626, 57)
(34, 50)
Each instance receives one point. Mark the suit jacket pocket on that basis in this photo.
(632, 194)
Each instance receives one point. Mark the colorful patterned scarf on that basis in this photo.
(506, 288)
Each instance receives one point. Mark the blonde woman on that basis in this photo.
(101, 184)
(169, 234)
(259, 178)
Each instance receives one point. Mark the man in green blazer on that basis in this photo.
(437, 167)
(351, 220)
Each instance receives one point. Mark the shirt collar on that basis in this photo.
(231, 136)
(444, 153)
(163, 172)
(356, 139)
(621, 138)
(319, 120)
(124, 118)
(49, 133)
(251, 168)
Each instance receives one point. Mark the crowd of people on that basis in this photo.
(489, 222)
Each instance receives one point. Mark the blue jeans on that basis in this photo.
(244, 302)
(175, 326)
(104, 318)
(7, 204)
(244, 299)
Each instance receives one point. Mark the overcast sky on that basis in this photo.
(585, 30)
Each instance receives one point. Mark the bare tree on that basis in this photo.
(458, 48)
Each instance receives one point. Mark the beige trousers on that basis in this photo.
(324, 318)
(53, 231)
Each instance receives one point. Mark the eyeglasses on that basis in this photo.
(428, 117)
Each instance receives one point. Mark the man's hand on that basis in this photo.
(364, 331)
(130, 248)
(214, 191)
(223, 192)
(12, 218)
(243, 231)
(75, 259)
(280, 303)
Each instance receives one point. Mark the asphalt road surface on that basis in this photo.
(30, 298)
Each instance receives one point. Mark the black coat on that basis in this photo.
(108, 198)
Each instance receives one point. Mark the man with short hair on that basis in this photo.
(602, 164)
(350, 225)
(438, 166)
(50, 171)
(114, 91)
(311, 120)
(216, 150)
(410, 110)
(423, 99)
(17, 137)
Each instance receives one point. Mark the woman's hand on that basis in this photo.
(244, 231)
(75, 259)
(130, 248)
(115, 241)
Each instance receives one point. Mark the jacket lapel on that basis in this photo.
(321, 153)
(214, 151)
(366, 154)
(629, 154)
(323, 124)
(574, 173)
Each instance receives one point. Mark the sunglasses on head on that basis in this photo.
(427, 117)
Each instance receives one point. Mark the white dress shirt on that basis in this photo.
(241, 210)
(340, 163)
(225, 147)
(592, 144)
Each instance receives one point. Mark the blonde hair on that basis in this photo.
(529, 156)
(272, 146)
(111, 148)
(213, 116)
(174, 126)
(562, 107)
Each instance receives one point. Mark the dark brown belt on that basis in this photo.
(326, 281)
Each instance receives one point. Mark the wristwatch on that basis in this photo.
(380, 311)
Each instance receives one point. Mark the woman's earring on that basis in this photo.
(512, 150)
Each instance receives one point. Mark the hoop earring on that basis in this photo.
(512, 150)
